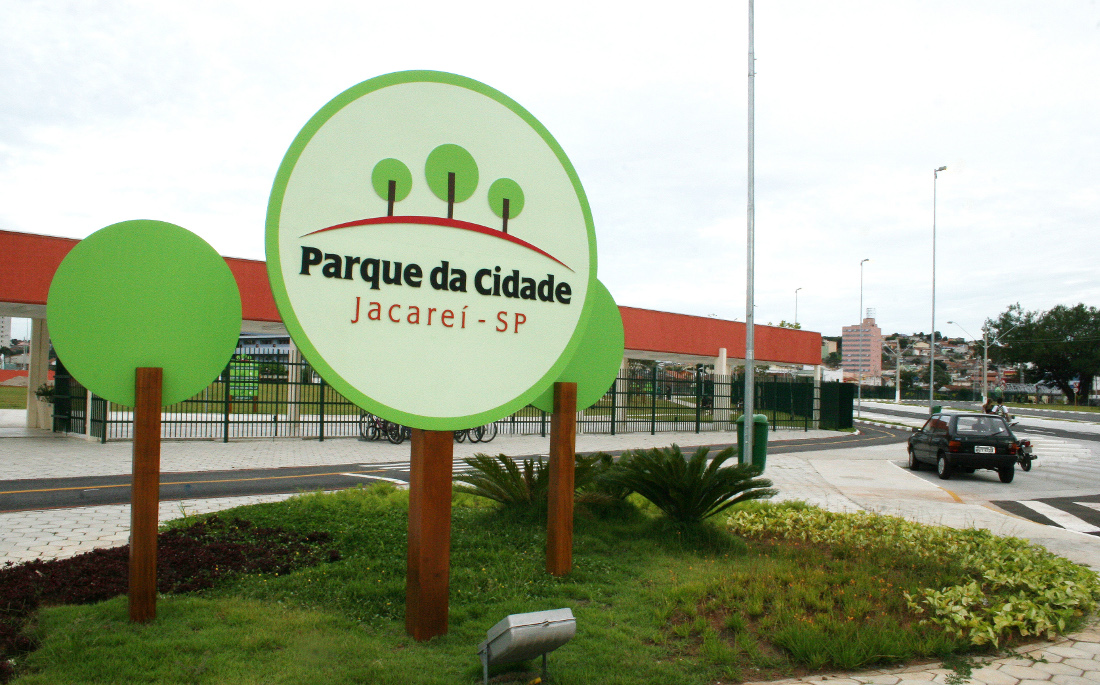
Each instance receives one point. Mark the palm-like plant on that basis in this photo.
(512, 483)
(689, 490)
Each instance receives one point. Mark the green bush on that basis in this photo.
(1010, 586)
(689, 490)
(526, 484)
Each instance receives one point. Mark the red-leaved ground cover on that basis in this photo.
(189, 559)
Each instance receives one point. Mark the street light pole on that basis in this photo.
(932, 334)
(859, 388)
(750, 326)
(796, 306)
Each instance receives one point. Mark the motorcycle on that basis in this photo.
(1025, 454)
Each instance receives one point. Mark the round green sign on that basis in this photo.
(596, 363)
(144, 294)
(439, 309)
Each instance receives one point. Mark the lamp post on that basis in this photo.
(859, 388)
(932, 334)
(796, 306)
(750, 326)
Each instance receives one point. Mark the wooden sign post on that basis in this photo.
(563, 444)
(145, 495)
(428, 574)
(175, 302)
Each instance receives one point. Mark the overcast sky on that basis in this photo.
(182, 111)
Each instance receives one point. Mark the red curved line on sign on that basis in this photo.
(440, 221)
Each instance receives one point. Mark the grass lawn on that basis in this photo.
(654, 604)
(13, 397)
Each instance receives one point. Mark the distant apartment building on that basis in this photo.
(861, 351)
(5, 331)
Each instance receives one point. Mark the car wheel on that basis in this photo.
(1007, 472)
(1026, 464)
(943, 467)
(914, 465)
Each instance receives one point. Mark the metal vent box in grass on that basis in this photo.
(524, 636)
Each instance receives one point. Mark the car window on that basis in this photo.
(980, 426)
(939, 426)
(927, 427)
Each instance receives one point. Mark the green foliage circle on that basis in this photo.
(506, 189)
(391, 169)
(446, 159)
(144, 294)
(595, 364)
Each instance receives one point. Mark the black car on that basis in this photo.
(962, 441)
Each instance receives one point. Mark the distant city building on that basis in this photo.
(5, 331)
(861, 351)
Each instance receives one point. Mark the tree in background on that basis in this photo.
(942, 376)
(908, 380)
(1062, 344)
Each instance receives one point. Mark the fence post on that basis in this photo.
(225, 403)
(698, 397)
(542, 423)
(322, 417)
(614, 401)
(653, 402)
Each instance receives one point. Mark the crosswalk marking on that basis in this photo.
(1067, 521)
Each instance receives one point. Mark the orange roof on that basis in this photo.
(28, 262)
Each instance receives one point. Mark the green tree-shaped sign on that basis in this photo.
(452, 174)
(506, 199)
(392, 180)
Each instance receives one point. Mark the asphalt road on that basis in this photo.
(1063, 487)
(1067, 432)
(47, 493)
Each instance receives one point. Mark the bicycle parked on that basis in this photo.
(484, 433)
(373, 427)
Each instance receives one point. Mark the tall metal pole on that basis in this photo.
(932, 335)
(796, 306)
(750, 352)
(859, 388)
(985, 364)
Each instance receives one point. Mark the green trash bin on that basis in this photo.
(759, 440)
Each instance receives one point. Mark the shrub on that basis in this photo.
(526, 484)
(689, 490)
(1010, 586)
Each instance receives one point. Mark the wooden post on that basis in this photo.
(563, 444)
(428, 574)
(145, 496)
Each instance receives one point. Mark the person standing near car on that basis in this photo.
(1001, 410)
(987, 408)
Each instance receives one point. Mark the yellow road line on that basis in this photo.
(953, 495)
(189, 482)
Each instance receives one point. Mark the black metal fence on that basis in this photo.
(270, 399)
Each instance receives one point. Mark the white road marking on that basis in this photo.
(370, 477)
(1067, 521)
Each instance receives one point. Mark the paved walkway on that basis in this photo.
(850, 479)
